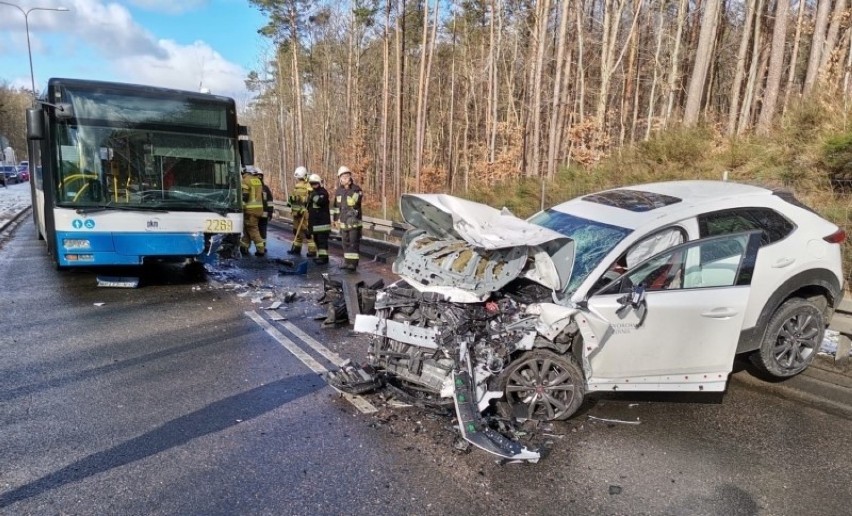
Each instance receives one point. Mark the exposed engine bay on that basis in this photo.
(476, 320)
(486, 357)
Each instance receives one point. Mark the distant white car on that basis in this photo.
(652, 287)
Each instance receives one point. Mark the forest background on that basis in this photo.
(527, 103)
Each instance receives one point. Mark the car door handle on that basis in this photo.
(783, 262)
(720, 313)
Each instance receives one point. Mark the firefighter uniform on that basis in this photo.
(252, 188)
(298, 204)
(268, 208)
(319, 218)
(346, 210)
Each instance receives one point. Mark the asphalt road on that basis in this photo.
(172, 399)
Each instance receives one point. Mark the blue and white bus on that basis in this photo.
(126, 173)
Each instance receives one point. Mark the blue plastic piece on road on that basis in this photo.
(301, 268)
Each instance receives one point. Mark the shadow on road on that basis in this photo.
(213, 418)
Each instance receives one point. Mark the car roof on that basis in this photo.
(634, 206)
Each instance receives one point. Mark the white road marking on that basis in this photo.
(332, 357)
(357, 401)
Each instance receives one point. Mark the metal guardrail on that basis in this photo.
(380, 230)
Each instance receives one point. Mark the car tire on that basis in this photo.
(792, 339)
(542, 385)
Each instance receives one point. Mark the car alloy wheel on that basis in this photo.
(542, 385)
(793, 337)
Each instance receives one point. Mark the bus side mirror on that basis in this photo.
(35, 124)
(246, 152)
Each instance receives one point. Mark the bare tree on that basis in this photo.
(776, 67)
(817, 45)
(706, 40)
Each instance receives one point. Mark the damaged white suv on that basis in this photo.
(648, 288)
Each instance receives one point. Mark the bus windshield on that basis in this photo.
(112, 160)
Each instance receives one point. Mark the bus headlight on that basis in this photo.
(76, 243)
(80, 257)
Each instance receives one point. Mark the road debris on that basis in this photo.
(830, 343)
(300, 269)
(118, 282)
(620, 421)
(99, 304)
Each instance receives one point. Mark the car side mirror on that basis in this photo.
(635, 298)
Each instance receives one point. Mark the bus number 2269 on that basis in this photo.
(219, 226)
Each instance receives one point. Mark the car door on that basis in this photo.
(672, 323)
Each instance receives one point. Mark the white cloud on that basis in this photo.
(110, 28)
(132, 52)
(169, 6)
(186, 67)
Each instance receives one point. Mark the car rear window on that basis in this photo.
(632, 200)
(775, 226)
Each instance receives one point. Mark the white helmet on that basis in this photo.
(315, 179)
(301, 173)
(343, 170)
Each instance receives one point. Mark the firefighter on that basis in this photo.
(298, 203)
(252, 189)
(268, 208)
(319, 218)
(346, 209)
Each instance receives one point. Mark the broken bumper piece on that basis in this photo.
(476, 432)
(354, 379)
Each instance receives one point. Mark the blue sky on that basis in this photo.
(172, 43)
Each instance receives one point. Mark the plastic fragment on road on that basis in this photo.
(354, 378)
(118, 281)
(99, 304)
(277, 317)
(274, 306)
(830, 343)
(474, 430)
(296, 270)
(262, 296)
(621, 421)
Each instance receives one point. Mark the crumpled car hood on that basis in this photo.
(466, 250)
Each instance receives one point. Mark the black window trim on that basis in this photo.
(702, 224)
(743, 277)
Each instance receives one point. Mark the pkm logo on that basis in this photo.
(152, 224)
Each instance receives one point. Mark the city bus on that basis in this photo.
(124, 173)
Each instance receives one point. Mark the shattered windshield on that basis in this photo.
(128, 152)
(593, 240)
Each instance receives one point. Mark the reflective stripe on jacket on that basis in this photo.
(299, 197)
(347, 206)
(319, 219)
(252, 188)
